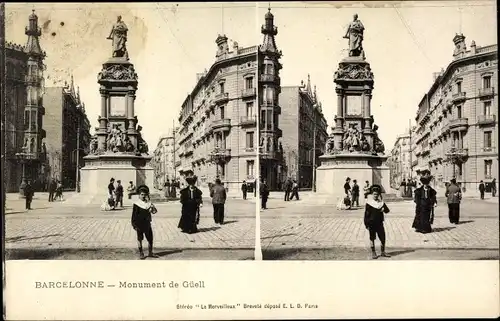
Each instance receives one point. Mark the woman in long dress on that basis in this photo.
(191, 200)
(425, 201)
(141, 220)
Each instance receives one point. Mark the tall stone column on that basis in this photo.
(367, 107)
(103, 121)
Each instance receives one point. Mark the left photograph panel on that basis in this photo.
(130, 131)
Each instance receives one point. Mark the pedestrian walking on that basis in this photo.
(119, 193)
(366, 189)
(481, 189)
(494, 187)
(191, 200)
(52, 189)
(218, 195)
(425, 201)
(111, 193)
(255, 188)
(29, 192)
(141, 220)
(355, 193)
(453, 196)
(295, 190)
(288, 189)
(166, 189)
(59, 191)
(264, 194)
(347, 186)
(375, 209)
(244, 189)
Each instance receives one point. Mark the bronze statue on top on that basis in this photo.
(119, 37)
(355, 35)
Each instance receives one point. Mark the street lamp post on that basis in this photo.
(23, 156)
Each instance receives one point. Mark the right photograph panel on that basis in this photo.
(376, 131)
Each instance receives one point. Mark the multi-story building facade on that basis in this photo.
(458, 118)
(401, 159)
(2, 101)
(270, 154)
(68, 133)
(24, 151)
(164, 160)
(218, 123)
(302, 121)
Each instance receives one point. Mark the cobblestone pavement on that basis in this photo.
(298, 224)
(51, 225)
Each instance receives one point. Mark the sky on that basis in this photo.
(169, 43)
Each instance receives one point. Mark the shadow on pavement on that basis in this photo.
(164, 253)
(465, 222)
(396, 253)
(230, 222)
(273, 236)
(18, 212)
(24, 238)
(443, 229)
(208, 229)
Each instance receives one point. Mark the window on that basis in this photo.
(222, 112)
(487, 168)
(250, 168)
(487, 108)
(269, 69)
(250, 109)
(459, 87)
(269, 118)
(262, 120)
(487, 82)
(459, 111)
(26, 119)
(222, 89)
(487, 140)
(249, 83)
(249, 143)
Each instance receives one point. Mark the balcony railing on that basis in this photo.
(248, 93)
(486, 92)
(458, 97)
(486, 119)
(221, 98)
(457, 152)
(248, 120)
(460, 123)
(224, 124)
(490, 149)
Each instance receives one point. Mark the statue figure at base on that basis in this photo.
(142, 146)
(378, 145)
(93, 145)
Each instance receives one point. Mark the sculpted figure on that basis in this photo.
(93, 145)
(119, 37)
(355, 35)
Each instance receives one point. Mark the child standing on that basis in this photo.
(141, 220)
(374, 220)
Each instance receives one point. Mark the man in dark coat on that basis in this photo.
(425, 200)
(355, 193)
(494, 187)
(119, 193)
(244, 189)
(28, 193)
(166, 188)
(264, 194)
(52, 189)
(481, 189)
(453, 196)
(218, 195)
(295, 190)
(288, 189)
(191, 200)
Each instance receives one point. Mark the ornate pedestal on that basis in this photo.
(99, 169)
(334, 170)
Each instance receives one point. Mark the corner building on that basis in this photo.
(457, 119)
(270, 153)
(218, 123)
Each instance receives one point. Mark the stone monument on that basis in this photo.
(117, 150)
(353, 149)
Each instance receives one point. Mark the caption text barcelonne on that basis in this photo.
(121, 284)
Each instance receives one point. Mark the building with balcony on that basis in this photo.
(24, 111)
(218, 123)
(402, 158)
(302, 121)
(68, 133)
(164, 160)
(457, 118)
(270, 153)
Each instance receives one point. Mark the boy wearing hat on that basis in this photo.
(141, 220)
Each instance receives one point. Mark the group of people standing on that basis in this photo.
(115, 194)
(170, 188)
(291, 189)
(352, 193)
(55, 190)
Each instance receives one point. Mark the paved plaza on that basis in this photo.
(285, 226)
(304, 224)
